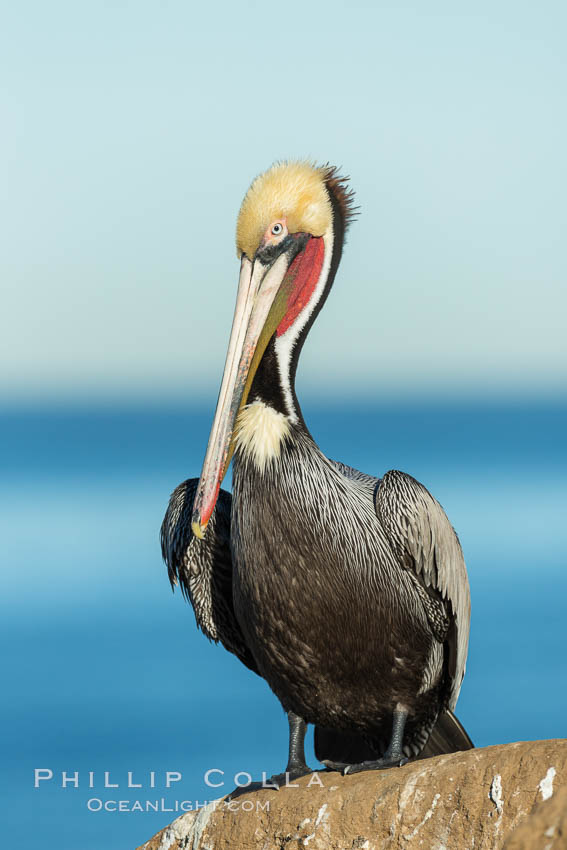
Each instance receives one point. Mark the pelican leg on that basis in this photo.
(393, 757)
(296, 765)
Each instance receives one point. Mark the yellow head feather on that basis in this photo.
(292, 190)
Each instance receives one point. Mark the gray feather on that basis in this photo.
(426, 544)
(203, 568)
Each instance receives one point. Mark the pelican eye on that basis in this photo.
(277, 229)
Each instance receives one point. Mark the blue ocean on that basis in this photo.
(107, 681)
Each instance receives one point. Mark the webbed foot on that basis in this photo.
(388, 760)
(393, 757)
(292, 772)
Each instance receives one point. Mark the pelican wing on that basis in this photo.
(425, 542)
(361, 478)
(203, 568)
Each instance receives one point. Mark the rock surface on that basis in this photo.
(545, 828)
(461, 801)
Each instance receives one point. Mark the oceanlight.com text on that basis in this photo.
(95, 804)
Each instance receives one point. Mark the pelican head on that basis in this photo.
(286, 237)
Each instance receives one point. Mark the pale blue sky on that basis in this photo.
(132, 129)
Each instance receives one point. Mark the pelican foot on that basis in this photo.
(282, 780)
(390, 760)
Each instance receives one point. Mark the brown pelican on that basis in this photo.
(347, 593)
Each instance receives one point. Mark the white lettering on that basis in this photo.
(74, 779)
(94, 805)
(289, 784)
(172, 776)
(48, 774)
(107, 782)
(242, 784)
(213, 784)
(132, 784)
(266, 784)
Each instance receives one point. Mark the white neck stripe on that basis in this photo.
(285, 343)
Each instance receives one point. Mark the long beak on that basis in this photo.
(260, 306)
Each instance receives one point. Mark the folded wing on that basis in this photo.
(203, 568)
(425, 542)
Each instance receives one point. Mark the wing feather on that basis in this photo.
(203, 568)
(424, 540)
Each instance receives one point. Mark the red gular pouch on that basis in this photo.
(304, 273)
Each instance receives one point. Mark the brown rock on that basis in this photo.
(461, 801)
(545, 828)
